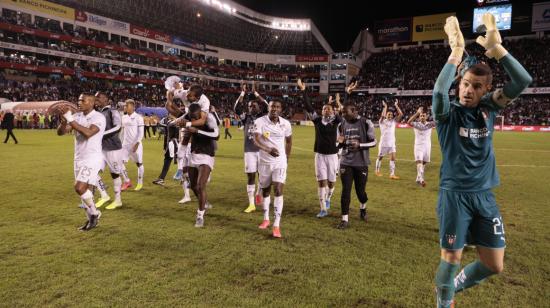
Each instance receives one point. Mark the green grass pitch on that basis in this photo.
(148, 253)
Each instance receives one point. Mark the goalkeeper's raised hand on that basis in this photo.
(456, 40)
(492, 40)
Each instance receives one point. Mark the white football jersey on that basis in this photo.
(203, 101)
(387, 130)
(90, 148)
(132, 126)
(423, 133)
(273, 135)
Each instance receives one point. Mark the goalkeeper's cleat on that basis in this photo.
(102, 201)
(114, 205)
(251, 208)
(264, 224)
(138, 187)
(126, 185)
(394, 177)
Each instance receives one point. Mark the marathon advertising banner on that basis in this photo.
(43, 7)
(540, 21)
(393, 31)
(182, 42)
(429, 27)
(315, 58)
(148, 33)
(89, 20)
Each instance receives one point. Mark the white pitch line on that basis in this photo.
(438, 163)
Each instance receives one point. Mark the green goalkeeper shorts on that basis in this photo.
(476, 213)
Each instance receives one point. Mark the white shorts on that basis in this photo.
(383, 151)
(326, 167)
(87, 171)
(201, 159)
(184, 155)
(114, 160)
(422, 153)
(251, 160)
(271, 173)
(136, 157)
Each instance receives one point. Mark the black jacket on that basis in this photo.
(7, 122)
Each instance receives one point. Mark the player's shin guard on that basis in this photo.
(419, 173)
(330, 192)
(102, 189)
(124, 174)
(88, 199)
(444, 282)
(267, 202)
(278, 205)
(250, 189)
(141, 171)
(471, 275)
(392, 167)
(378, 164)
(117, 184)
(321, 191)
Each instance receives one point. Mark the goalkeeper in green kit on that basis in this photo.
(466, 204)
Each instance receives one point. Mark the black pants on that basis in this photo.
(166, 165)
(8, 134)
(227, 133)
(147, 132)
(348, 175)
(154, 127)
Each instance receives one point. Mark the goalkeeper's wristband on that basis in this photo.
(498, 52)
(68, 116)
(457, 54)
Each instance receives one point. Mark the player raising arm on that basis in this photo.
(468, 169)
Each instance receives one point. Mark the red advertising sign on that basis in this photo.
(148, 33)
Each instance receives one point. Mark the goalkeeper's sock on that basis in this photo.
(471, 275)
(444, 282)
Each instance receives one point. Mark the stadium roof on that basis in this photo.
(224, 24)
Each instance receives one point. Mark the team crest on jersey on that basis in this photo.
(266, 134)
(451, 238)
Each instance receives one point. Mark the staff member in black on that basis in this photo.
(355, 139)
(7, 123)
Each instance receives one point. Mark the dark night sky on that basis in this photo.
(341, 21)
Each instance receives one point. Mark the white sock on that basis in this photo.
(88, 199)
(200, 214)
(321, 191)
(418, 171)
(101, 187)
(330, 192)
(378, 164)
(392, 167)
(363, 206)
(345, 217)
(278, 205)
(185, 186)
(267, 202)
(250, 192)
(141, 171)
(422, 171)
(124, 175)
(117, 183)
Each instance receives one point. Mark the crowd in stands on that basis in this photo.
(268, 72)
